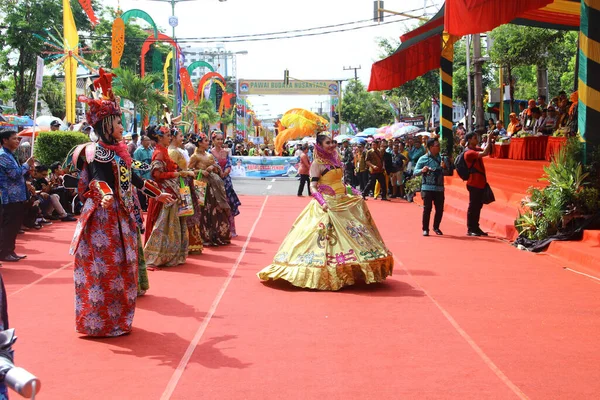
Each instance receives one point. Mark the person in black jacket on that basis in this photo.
(348, 160)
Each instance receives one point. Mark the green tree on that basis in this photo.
(364, 109)
(414, 97)
(516, 46)
(139, 90)
(227, 118)
(206, 114)
(7, 90)
(53, 93)
(19, 47)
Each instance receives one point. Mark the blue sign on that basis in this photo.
(264, 167)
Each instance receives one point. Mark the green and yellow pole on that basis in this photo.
(589, 75)
(446, 64)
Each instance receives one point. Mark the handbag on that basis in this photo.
(186, 208)
(488, 194)
(200, 189)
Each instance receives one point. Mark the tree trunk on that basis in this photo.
(134, 119)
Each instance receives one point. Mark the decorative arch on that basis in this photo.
(198, 64)
(146, 47)
(127, 15)
(221, 103)
(202, 83)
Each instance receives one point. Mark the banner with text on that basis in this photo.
(256, 87)
(264, 167)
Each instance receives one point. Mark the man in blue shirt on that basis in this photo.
(14, 194)
(433, 168)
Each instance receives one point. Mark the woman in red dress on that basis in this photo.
(106, 240)
(166, 232)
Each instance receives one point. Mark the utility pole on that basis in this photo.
(469, 113)
(478, 82)
(355, 73)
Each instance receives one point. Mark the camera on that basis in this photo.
(17, 379)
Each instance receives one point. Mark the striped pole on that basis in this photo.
(446, 63)
(589, 75)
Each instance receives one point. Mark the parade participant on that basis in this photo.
(334, 242)
(223, 158)
(214, 214)
(166, 231)
(192, 221)
(107, 244)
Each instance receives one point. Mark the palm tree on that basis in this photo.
(227, 119)
(206, 114)
(139, 90)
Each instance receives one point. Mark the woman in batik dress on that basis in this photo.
(223, 158)
(214, 214)
(106, 239)
(166, 232)
(193, 221)
(334, 242)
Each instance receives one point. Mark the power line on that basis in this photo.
(253, 37)
(244, 40)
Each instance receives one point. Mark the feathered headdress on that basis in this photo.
(104, 104)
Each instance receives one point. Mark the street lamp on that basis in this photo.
(174, 21)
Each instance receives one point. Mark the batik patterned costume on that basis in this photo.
(327, 250)
(166, 232)
(106, 244)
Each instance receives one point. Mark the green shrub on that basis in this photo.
(55, 146)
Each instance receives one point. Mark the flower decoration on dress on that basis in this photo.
(106, 104)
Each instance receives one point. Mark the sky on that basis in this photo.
(314, 57)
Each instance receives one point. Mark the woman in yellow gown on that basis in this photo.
(334, 242)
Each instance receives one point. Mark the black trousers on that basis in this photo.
(363, 178)
(373, 178)
(304, 179)
(475, 206)
(349, 175)
(11, 223)
(431, 198)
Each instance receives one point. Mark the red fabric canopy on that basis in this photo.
(463, 17)
(419, 53)
(406, 65)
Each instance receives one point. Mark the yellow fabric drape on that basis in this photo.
(165, 69)
(71, 43)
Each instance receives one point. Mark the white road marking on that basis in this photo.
(273, 180)
(213, 308)
(269, 187)
(488, 361)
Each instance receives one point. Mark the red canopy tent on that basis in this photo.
(421, 48)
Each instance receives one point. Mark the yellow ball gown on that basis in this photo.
(327, 250)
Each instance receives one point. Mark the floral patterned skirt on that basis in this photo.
(214, 225)
(168, 242)
(332, 249)
(105, 271)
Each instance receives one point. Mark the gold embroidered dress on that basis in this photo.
(328, 250)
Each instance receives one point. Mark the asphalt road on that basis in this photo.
(270, 186)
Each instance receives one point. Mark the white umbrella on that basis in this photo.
(423, 134)
(408, 130)
(309, 140)
(46, 120)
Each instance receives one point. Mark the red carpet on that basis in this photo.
(462, 318)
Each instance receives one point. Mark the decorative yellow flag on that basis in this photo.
(118, 41)
(71, 44)
(165, 68)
